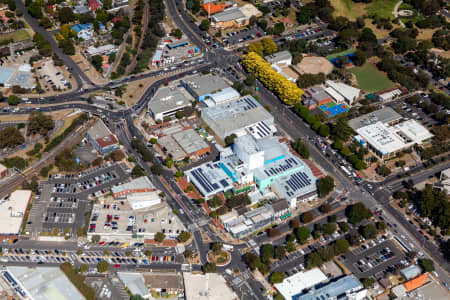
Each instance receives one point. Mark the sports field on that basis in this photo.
(16, 36)
(352, 10)
(370, 79)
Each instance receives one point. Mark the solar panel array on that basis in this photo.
(260, 130)
(288, 163)
(206, 181)
(203, 180)
(297, 181)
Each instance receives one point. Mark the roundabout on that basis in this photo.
(220, 259)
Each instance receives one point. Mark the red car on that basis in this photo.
(116, 266)
(165, 258)
(101, 243)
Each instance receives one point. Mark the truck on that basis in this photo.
(227, 247)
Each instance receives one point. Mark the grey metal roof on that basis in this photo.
(206, 84)
(168, 99)
(190, 141)
(334, 289)
(5, 74)
(138, 183)
(135, 283)
(99, 130)
(235, 115)
(45, 283)
(228, 15)
(279, 56)
(384, 115)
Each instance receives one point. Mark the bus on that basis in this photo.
(346, 171)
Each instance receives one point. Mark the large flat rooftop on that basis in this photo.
(43, 283)
(237, 115)
(385, 115)
(12, 211)
(206, 84)
(209, 286)
(169, 98)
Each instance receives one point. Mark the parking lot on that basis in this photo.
(63, 200)
(51, 75)
(374, 259)
(243, 35)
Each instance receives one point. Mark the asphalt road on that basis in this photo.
(75, 70)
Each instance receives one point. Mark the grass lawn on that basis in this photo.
(382, 8)
(370, 79)
(17, 36)
(340, 53)
(352, 10)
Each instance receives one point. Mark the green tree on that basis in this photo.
(280, 252)
(325, 208)
(66, 15)
(156, 169)
(276, 277)
(34, 8)
(102, 266)
(84, 268)
(369, 231)
(427, 264)
(324, 130)
(159, 237)
(278, 28)
(184, 236)
(216, 248)
(329, 228)
(302, 233)
(216, 201)
(204, 25)
(176, 33)
(38, 123)
(301, 148)
(95, 239)
(267, 252)
(188, 253)
(290, 246)
(230, 139)
(325, 185)
(13, 100)
(357, 212)
(343, 226)
(137, 171)
(11, 137)
(307, 217)
(368, 282)
(209, 268)
(341, 246)
(313, 260)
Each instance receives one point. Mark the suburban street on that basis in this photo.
(375, 195)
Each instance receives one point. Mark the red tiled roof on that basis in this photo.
(117, 19)
(214, 8)
(415, 283)
(93, 4)
(107, 141)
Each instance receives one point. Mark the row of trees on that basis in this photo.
(287, 91)
(264, 47)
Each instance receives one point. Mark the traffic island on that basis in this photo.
(222, 259)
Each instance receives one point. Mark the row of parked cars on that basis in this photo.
(96, 181)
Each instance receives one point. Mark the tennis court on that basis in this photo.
(332, 109)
